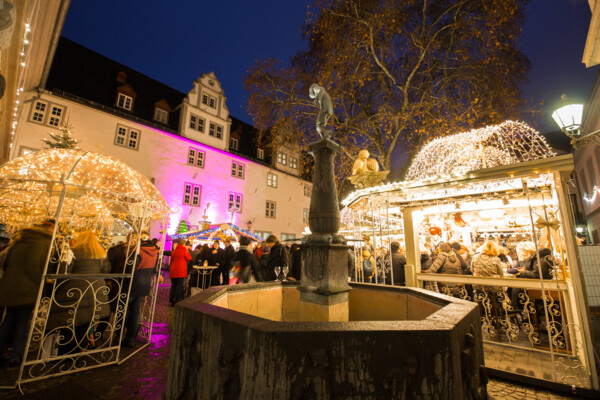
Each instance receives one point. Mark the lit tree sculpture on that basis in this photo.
(182, 227)
(62, 140)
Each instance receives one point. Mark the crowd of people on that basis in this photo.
(252, 262)
(80, 307)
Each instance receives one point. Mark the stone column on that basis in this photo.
(324, 283)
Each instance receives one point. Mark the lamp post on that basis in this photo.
(568, 116)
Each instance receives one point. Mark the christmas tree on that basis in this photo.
(62, 140)
(182, 227)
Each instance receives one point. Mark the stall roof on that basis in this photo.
(207, 233)
(562, 163)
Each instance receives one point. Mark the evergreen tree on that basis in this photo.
(182, 227)
(62, 140)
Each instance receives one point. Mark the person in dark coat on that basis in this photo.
(227, 260)
(278, 257)
(215, 259)
(80, 304)
(296, 261)
(20, 284)
(246, 258)
(398, 263)
(351, 265)
(532, 271)
(263, 262)
(146, 268)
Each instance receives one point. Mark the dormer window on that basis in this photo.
(125, 102)
(209, 101)
(260, 153)
(233, 144)
(161, 115)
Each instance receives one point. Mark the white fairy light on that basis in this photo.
(595, 191)
(503, 144)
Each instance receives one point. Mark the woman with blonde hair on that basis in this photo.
(80, 303)
(487, 263)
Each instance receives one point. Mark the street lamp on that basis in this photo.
(568, 116)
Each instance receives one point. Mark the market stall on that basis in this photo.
(502, 183)
(75, 191)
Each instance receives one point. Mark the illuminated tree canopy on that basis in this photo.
(399, 73)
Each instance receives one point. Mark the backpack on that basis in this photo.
(367, 268)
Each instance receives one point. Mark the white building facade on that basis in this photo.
(184, 148)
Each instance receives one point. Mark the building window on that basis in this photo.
(39, 111)
(271, 180)
(209, 101)
(237, 169)
(196, 123)
(191, 194)
(270, 209)
(47, 113)
(125, 102)
(233, 144)
(161, 115)
(282, 158)
(196, 157)
(215, 131)
(127, 137)
(263, 235)
(307, 190)
(56, 113)
(293, 162)
(287, 236)
(260, 153)
(305, 215)
(235, 201)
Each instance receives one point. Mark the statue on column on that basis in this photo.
(365, 171)
(321, 98)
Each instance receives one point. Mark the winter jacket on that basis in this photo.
(24, 267)
(145, 269)
(426, 262)
(531, 265)
(445, 263)
(278, 257)
(398, 263)
(246, 258)
(179, 259)
(80, 301)
(486, 265)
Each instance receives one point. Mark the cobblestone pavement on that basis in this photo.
(144, 376)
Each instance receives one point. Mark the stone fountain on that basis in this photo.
(323, 338)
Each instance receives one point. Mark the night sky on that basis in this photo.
(175, 43)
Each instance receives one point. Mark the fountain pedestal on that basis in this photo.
(324, 283)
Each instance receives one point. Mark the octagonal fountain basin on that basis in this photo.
(247, 342)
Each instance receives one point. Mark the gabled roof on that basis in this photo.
(84, 73)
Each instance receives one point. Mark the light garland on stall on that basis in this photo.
(98, 188)
(504, 144)
(458, 155)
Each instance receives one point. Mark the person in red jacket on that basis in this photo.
(178, 271)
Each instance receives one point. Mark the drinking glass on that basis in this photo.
(277, 272)
(285, 271)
